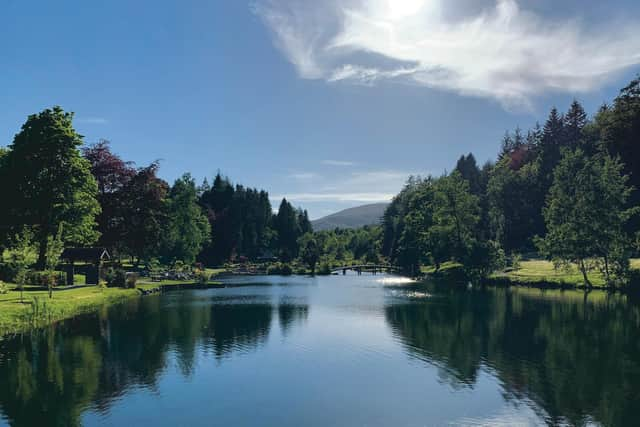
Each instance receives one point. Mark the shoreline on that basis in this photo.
(36, 310)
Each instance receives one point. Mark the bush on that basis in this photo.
(115, 277)
(324, 269)
(47, 278)
(202, 277)
(280, 269)
(516, 262)
(3, 288)
(130, 281)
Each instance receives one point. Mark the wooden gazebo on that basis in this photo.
(92, 256)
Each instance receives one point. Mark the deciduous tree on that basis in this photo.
(45, 182)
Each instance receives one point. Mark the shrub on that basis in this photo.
(3, 288)
(516, 262)
(115, 277)
(47, 278)
(324, 269)
(130, 281)
(202, 277)
(280, 269)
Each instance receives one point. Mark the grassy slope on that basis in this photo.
(17, 316)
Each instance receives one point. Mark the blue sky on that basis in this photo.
(330, 103)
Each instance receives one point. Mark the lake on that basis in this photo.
(332, 351)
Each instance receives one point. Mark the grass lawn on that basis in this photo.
(541, 271)
(17, 316)
(536, 273)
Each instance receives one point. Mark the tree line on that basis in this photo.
(59, 193)
(568, 190)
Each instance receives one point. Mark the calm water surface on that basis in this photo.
(332, 351)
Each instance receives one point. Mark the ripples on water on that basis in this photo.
(341, 350)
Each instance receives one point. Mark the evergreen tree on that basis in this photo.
(288, 231)
(469, 171)
(619, 130)
(549, 149)
(187, 228)
(574, 122)
(309, 251)
(303, 222)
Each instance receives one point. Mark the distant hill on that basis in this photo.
(352, 217)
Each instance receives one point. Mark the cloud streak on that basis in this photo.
(353, 187)
(502, 52)
(337, 197)
(338, 163)
(93, 120)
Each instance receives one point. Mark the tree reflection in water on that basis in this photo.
(577, 359)
(50, 377)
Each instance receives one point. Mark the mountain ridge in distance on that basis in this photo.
(355, 217)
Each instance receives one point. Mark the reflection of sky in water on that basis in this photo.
(341, 350)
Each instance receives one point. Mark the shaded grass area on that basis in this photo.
(535, 272)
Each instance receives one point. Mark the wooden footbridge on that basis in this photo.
(367, 268)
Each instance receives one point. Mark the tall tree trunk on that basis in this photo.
(583, 269)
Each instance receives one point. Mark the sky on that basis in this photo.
(330, 103)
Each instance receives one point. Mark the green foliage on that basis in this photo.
(55, 246)
(240, 219)
(324, 269)
(280, 269)
(130, 280)
(115, 277)
(21, 255)
(288, 231)
(514, 206)
(585, 215)
(4, 289)
(309, 251)
(187, 229)
(51, 184)
(344, 246)
(202, 277)
(146, 213)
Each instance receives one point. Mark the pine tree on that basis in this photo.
(574, 122)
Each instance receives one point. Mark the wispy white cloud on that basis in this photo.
(92, 120)
(303, 176)
(337, 197)
(503, 52)
(338, 163)
(356, 187)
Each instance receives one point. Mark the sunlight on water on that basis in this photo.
(395, 280)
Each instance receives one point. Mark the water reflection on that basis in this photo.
(49, 377)
(339, 346)
(290, 312)
(575, 360)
